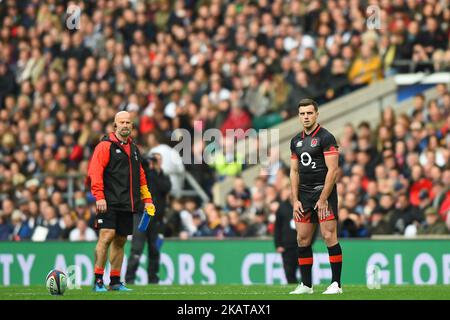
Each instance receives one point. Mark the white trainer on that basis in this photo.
(333, 289)
(302, 289)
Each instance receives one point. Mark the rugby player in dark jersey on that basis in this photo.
(314, 166)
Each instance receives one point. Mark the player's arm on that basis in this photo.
(97, 165)
(332, 162)
(295, 182)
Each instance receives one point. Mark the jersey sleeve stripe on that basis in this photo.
(330, 153)
(294, 156)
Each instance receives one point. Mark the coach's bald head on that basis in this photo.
(123, 125)
(121, 115)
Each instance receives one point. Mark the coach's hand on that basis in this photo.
(322, 208)
(101, 206)
(150, 208)
(298, 210)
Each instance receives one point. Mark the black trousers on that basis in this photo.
(137, 247)
(290, 264)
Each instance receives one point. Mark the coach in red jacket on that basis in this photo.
(118, 184)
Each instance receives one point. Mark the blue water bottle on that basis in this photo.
(145, 220)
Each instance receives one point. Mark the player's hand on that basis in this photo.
(101, 206)
(280, 249)
(150, 208)
(298, 210)
(322, 209)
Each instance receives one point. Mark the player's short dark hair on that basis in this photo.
(308, 102)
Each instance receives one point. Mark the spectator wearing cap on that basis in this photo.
(433, 224)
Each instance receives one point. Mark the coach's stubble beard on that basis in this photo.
(125, 133)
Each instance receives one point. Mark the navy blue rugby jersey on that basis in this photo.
(310, 151)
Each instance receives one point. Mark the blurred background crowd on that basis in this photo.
(201, 64)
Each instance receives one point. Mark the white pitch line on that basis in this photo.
(207, 293)
(151, 293)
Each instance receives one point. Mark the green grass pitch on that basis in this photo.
(231, 292)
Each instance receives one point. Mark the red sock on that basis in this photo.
(115, 276)
(99, 273)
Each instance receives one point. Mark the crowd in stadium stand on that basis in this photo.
(200, 64)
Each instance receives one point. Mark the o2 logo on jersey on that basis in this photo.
(306, 160)
(313, 142)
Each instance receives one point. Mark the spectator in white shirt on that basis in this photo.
(82, 232)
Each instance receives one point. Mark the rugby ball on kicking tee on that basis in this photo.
(56, 282)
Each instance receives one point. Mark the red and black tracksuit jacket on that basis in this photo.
(115, 174)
